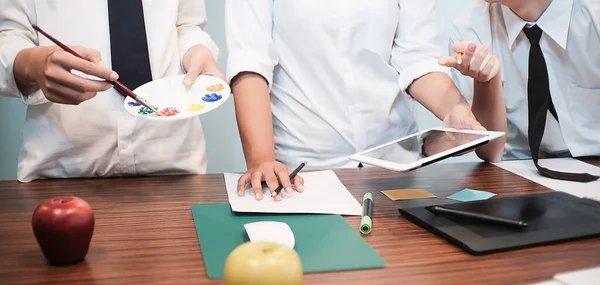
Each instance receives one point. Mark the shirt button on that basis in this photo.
(124, 146)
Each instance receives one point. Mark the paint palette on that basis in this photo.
(176, 101)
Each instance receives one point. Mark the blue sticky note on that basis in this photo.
(467, 195)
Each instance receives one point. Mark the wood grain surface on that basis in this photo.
(145, 234)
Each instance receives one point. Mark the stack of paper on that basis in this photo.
(527, 169)
(589, 276)
(323, 193)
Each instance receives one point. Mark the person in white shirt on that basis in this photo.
(568, 35)
(320, 80)
(76, 126)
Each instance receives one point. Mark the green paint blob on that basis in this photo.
(145, 111)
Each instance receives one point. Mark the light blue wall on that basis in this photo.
(12, 114)
(223, 142)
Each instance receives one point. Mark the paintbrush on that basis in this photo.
(118, 85)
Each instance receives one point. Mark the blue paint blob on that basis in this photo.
(211, 97)
(134, 104)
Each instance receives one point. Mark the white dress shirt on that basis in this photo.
(99, 138)
(337, 70)
(571, 47)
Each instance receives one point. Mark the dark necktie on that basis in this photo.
(128, 43)
(540, 102)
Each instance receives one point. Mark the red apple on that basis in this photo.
(63, 228)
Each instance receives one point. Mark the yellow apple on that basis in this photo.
(263, 263)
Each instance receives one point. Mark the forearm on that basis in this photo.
(489, 109)
(436, 92)
(254, 119)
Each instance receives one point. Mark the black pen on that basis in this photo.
(292, 175)
(476, 216)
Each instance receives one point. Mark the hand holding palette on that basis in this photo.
(176, 101)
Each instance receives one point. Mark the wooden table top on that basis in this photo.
(145, 233)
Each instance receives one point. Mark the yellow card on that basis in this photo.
(408, 194)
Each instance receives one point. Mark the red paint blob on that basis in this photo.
(171, 111)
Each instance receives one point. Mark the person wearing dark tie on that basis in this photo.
(546, 94)
(76, 125)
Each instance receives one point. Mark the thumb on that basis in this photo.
(191, 75)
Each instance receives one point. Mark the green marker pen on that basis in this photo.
(365, 222)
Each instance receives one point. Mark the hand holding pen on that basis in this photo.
(292, 175)
(276, 175)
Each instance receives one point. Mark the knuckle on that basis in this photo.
(80, 87)
(48, 71)
(54, 56)
(272, 179)
(279, 168)
(283, 175)
(88, 66)
(52, 88)
(255, 174)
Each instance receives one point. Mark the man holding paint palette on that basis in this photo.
(319, 80)
(547, 95)
(76, 125)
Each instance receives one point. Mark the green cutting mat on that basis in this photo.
(323, 242)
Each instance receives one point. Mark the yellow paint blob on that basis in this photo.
(195, 108)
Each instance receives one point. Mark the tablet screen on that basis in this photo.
(420, 146)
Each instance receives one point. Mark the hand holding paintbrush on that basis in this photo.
(112, 79)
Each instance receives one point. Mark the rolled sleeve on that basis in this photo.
(191, 21)
(249, 61)
(249, 25)
(16, 34)
(420, 41)
(418, 69)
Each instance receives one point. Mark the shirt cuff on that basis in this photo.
(8, 85)
(417, 70)
(247, 61)
(190, 39)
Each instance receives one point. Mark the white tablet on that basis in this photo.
(423, 148)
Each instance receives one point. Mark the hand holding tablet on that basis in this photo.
(423, 148)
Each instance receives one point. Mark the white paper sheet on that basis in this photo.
(527, 169)
(589, 276)
(323, 193)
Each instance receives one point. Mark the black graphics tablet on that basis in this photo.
(552, 217)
